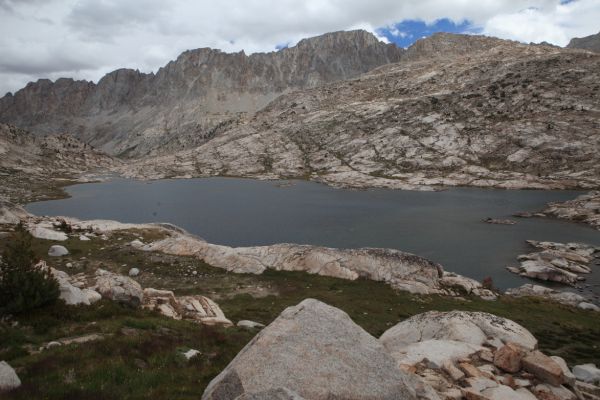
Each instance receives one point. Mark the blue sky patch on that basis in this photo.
(405, 33)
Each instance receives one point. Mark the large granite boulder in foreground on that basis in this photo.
(8, 377)
(315, 351)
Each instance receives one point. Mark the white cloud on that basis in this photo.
(555, 24)
(84, 39)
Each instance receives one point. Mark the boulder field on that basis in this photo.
(315, 351)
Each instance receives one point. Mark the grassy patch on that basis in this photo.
(139, 358)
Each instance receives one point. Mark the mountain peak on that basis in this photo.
(443, 44)
(191, 96)
(358, 36)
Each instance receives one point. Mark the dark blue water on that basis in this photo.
(443, 226)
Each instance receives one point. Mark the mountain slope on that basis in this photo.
(33, 166)
(488, 113)
(591, 43)
(190, 99)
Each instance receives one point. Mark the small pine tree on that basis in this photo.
(23, 286)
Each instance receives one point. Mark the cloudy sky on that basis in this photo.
(85, 39)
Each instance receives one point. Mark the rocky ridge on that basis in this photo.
(403, 271)
(485, 112)
(591, 43)
(191, 99)
(400, 270)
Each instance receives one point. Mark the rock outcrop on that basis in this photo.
(477, 356)
(87, 289)
(474, 328)
(193, 98)
(70, 294)
(557, 262)
(41, 232)
(118, 288)
(315, 351)
(587, 373)
(195, 308)
(11, 214)
(591, 43)
(567, 298)
(585, 209)
(57, 251)
(401, 270)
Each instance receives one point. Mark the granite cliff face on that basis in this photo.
(458, 110)
(191, 99)
(591, 43)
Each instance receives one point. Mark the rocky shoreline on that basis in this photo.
(585, 208)
(402, 271)
(566, 264)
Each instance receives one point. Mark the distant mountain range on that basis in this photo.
(456, 110)
(345, 109)
(192, 98)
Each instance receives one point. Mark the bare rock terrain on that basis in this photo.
(585, 209)
(346, 110)
(457, 110)
(476, 355)
(568, 298)
(32, 167)
(82, 289)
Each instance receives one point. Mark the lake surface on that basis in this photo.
(445, 226)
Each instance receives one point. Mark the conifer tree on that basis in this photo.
(23, 285)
